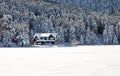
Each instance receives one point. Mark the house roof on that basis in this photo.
(45, 34)
(54, 34)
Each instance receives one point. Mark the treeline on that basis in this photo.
(20, 19)
(95, 5)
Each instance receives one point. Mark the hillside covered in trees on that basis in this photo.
(95, 5)
(75, 25)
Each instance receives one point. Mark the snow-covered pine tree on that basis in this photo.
(72, 36)
(22, 38)
(90, 37)
(79, 28)
(52, 29)
(117, 30)
(66, 29)
(115, 40)
(81, 40)
(60, 36)
(105, 37)
(108, 34)
(94, 25)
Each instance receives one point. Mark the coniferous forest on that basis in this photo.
(76, 22)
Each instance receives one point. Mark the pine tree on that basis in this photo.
(117, 30)
(52, 30)
(79, 28)
(105, 37)
(94, 25)
(72, 37)
(115, 40)
(60, 37)
(108, 34)
(81, 40)
(90, 37)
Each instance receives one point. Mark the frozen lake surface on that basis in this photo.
(41, 62)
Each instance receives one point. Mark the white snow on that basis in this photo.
(45, 34)
(63, 62)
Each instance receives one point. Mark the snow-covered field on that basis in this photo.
(78, 61)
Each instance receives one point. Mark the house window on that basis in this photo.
(45, 38)
(41, 38)
(51, 38)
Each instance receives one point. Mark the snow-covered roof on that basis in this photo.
(54, 34)
(45, 34)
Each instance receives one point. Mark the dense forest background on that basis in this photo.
(77, 22)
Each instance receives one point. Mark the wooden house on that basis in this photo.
(44, 38)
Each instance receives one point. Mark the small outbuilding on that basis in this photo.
(44, 38)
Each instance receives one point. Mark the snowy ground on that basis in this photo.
(65, 62)
(51, 46)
